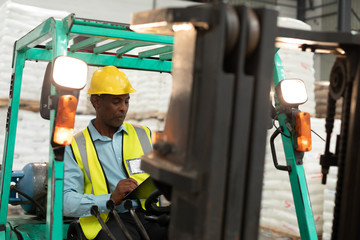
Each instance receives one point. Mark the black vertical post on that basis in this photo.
(301, 10)
(344, 15)
(347, 210)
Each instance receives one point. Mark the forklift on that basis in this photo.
(209, 160)
(64, 45)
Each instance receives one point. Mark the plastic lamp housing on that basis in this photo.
(69, 73)
(291, 92)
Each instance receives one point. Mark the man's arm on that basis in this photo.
(77, 204)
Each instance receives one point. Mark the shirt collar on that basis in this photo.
(97, 136)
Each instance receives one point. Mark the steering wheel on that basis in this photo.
(152, 207)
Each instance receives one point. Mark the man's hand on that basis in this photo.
(122, 188)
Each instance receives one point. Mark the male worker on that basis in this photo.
(103, 161)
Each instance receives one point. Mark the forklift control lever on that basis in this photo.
(110, 204)
(95, 212)
(128, 205)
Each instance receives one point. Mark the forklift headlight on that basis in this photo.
(291, 92)
(70, 73)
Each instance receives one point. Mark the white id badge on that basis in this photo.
(134, 166)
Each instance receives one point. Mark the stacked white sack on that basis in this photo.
(298, 64)
(330, 189)
(164, 94)
(144, 102)
(153, 90)
(329, 203)
(32, 138)
(17, 20)
(152, 96)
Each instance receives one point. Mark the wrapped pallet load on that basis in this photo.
(15, 21)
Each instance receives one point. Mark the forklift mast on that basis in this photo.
(212, 150)
(211, 153)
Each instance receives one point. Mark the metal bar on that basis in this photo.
(166, 56)
(311, 3)
(355, 14)
(241, 132)
(48, 45)
(344, 16)
(129, 47)
(259, 110)
(85, 43)
(110, 204)
(299, 187)
(275, 3)
(130, 62)
(279, 72)
(312, 7)
(321, 16)
(156, 51)
(54, 217)
(296, 175)
(301, 11)
(298, 38)
(36, 36)
(125, 62)
(110, 46)
(103, 24)
(10, 135)
(322, 5)
(122, 34)
(294, 6)
(38, 54)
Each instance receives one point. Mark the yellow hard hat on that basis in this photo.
(110, 80)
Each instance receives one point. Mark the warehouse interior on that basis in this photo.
(149, 105)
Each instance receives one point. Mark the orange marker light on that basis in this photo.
(65, 119)
(156, 135)
(303, 130)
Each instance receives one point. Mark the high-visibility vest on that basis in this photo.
(135, 144)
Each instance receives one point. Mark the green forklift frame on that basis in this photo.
(54, 37)
(295, 167)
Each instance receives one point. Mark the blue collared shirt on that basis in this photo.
(109, 150)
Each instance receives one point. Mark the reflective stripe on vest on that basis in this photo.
(144, 139)
(80, 140)
(135, 144)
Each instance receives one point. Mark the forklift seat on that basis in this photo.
(75, 232)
